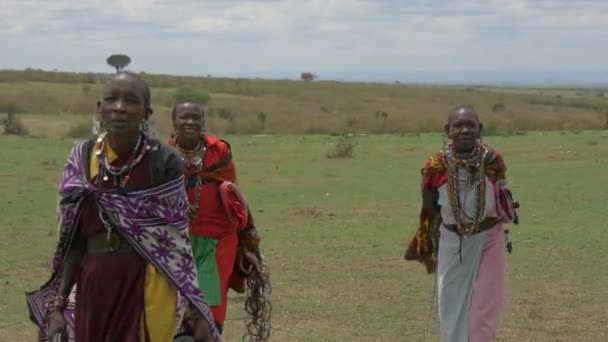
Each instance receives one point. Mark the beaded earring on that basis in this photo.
(96, 129)
(144, 127)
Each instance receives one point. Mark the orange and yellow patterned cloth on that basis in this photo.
(422, 247)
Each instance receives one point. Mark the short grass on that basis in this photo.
(334, 231)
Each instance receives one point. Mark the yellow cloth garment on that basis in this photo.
(160, 296)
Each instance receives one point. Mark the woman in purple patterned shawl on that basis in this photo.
(123, 268)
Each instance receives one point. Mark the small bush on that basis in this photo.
(14, 126)
(344, 148)
(262, 116)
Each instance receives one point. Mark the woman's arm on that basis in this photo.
(430, 200)
(69, 271)
(69, 274)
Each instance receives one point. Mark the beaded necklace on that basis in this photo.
(194, 158)
(120, 175)
(475, 179)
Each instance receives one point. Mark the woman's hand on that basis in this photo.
(58, 324)
(202, 333)
(252, 260)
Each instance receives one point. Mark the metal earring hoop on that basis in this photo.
(96, 129)
(144, 127)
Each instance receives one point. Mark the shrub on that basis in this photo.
(13, 125)
(344, 148)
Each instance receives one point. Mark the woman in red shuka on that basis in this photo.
(225, 242)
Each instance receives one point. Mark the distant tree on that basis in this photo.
(119, 62)
(191, 94)
(307, 76)
(262, 118)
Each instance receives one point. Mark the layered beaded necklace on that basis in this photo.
(194, 158)
(474, 179)
(120, 175)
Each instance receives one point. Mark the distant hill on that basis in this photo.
(510, 77)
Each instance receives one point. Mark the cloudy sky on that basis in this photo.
(234, 37)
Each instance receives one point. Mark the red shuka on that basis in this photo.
(220, 216)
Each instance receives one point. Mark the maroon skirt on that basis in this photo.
(110, 286)
(110, 297)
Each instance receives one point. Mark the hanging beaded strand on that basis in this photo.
(195, 157)
(123, 174)
(133, 160)
(473, 164)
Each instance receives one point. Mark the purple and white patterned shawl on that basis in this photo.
(153, 221)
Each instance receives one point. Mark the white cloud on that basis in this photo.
(262, 35)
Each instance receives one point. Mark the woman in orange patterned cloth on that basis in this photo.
(466, 205)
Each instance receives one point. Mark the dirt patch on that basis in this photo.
(311, 212)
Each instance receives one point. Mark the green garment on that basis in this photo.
(203, 250)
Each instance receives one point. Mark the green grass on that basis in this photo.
(334, 232)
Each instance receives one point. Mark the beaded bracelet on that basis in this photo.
(61, 303)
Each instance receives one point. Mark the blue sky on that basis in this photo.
(232, 37)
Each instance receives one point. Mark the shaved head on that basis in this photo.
(464, 128)
(141, 85)
(461, 109)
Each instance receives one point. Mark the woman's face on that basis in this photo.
(189, 121)
(464, 129)
(122, 108)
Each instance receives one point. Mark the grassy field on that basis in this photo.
(334, 232)
(296, 107)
